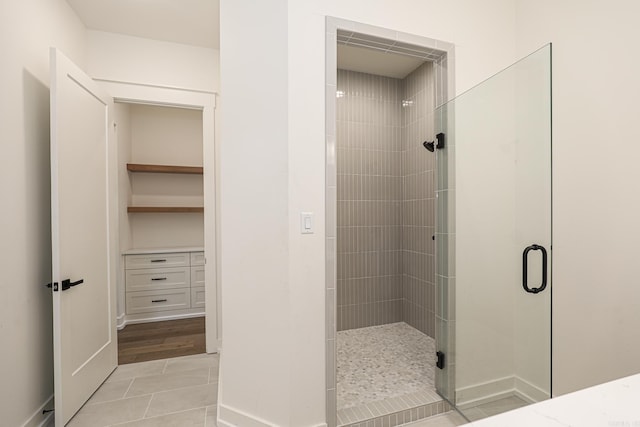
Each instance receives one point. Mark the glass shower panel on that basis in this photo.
(493, 240)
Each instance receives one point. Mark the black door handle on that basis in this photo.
(525, 262)
(66, 284)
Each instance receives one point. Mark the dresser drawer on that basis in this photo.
(197, 297)
(197, 258)
(197, 276)
(151, 301)
(157, 260)
(157, 278)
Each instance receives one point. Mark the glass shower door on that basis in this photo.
(494, 241)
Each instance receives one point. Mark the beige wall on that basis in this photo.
(27, 30)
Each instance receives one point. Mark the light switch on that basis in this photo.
(306, 222)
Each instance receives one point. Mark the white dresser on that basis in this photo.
(164, 283)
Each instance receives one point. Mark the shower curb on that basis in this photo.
(404, 416)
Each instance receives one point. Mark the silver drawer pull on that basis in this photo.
(158, 300)
(158, 260)
(158, 278)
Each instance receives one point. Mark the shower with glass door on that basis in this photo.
(443, 237)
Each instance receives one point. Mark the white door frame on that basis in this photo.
(445, 90)
(136, 93)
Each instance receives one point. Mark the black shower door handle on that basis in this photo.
(525, 262)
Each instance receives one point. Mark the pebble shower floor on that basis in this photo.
(383, 370)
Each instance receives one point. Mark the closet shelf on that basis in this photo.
(165, 209)
(139, 167)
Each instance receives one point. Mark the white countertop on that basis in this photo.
(612, 404)
(142, 251)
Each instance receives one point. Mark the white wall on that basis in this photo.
(273, 315)
(27, 29)
(487, 261)
(258, 349)
(138, 60)
(595, 182)
(503, 197)
(166, 136)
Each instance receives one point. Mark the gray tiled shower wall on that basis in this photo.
(386, 200)
(419, 202)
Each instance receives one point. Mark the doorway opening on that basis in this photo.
(161, 232)
(88, 202)
(383, 97)
(166, 209)
(422, 319)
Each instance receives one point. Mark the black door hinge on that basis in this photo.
(440, 359)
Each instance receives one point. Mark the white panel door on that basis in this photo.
(84, 327)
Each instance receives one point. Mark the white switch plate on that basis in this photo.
(306, 222)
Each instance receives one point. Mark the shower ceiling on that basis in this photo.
(384, 57)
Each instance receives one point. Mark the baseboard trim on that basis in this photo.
(468, 397)
(231, 417)
(121, 321)
(485, 392)
(129, 321)
(529, 392)
(38, 419)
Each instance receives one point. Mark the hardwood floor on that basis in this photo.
(160, 340)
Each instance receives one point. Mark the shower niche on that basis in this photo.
(435, 202)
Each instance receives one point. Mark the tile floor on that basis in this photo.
(381, 362)
(386, 374)
(493, 408)
(475, 413)
(450, 419)
(181, 391)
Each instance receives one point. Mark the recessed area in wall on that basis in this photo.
(382, 91)
(159, 135)
(161, 227)
(385, 223)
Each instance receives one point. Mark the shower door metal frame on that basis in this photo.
(444, 88)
